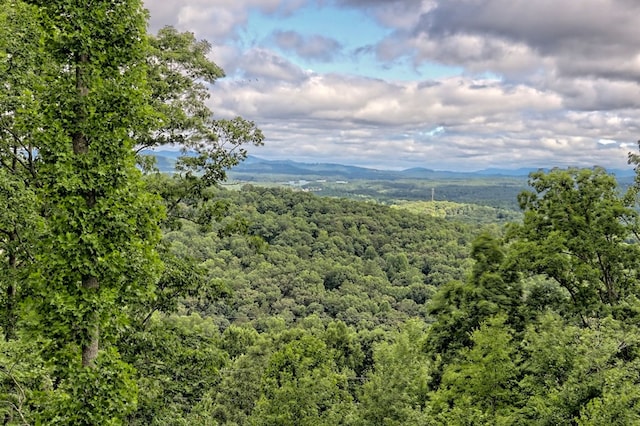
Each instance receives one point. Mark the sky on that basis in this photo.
(443, 84)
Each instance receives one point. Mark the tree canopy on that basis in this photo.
(140, 298)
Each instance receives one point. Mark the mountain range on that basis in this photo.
(255, 166)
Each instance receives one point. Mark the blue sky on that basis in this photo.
(444, 84)
(352, 29)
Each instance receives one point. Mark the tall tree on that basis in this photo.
(70, 114)
(576, 230)
(88, 89)
(480, 387)
(100, 224)
(396, 391)
(459, 308)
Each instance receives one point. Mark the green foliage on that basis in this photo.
(396, 391)
(301, 386)
(540, 294)
(577, 231)
(471, 213)
(19, 227)
(23, 376)
(315, 260)
(459, 308)
(22, 66)
(104, 394)
(178, 73)
(233, 400)
(480, 387)
(580, 374)
(177, 361)
(21, 59)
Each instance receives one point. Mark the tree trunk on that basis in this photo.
(81, 147)
(91, 346)
(10, 319)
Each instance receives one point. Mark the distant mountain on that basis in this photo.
(165, 160)
(507, 172)
(258, 166)
(293, 168)
(162, 154)
(525, 172)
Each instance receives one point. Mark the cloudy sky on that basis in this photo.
(443, 84)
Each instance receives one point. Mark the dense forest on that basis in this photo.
(135, 297)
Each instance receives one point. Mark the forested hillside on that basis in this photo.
(299, 254)
(328, 311)
(134, 297)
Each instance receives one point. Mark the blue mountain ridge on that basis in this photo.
(255, 166)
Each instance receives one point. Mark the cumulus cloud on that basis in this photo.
(547, 25)
(315, 47)
(542, 82)
(261, 63)
(576, 38)
(401, 14)
(215, 19)
(454, 123)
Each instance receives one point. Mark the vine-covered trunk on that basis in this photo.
(90, 348)
(90, 283)
(10, 314)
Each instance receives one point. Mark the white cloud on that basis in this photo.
(216, 19)
(543, 82)
(314, 47)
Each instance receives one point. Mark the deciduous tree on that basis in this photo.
(577, 230)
